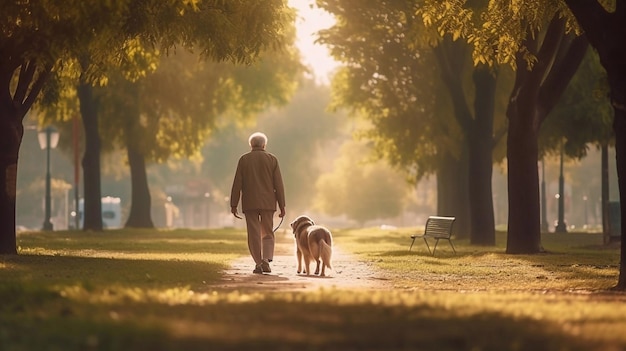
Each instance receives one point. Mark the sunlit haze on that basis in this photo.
(311, 19)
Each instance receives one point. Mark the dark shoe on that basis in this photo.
(265, 267)
(258, 270)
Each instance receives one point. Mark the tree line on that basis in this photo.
(445, 120)
(430, 75)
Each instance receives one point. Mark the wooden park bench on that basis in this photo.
(438, 228)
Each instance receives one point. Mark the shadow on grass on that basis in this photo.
(593, 266)
(139, 241)
(89, 272)
(444, 254)
(42, 320)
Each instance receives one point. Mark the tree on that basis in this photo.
(605, 29)
(35, 37)
(539, 40)
(479, 136)
(41, 39)
(385, 80)
(476, 120)
(535, 93)
(389, 53)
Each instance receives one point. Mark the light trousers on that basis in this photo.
(260, 234)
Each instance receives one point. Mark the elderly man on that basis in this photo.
(259, 183)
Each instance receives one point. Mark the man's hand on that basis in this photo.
(282, 213)
(234, 212)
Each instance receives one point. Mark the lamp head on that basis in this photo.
(48, 136)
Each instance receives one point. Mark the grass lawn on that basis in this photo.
(153, 290)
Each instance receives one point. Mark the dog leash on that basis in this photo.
(275, 229)
(278, 226)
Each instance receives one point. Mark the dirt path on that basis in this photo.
(348, 272)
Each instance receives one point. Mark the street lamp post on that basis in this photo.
(585, 213)
(560, 225)
(207, 196)
(48, 139)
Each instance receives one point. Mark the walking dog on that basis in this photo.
(313, 242)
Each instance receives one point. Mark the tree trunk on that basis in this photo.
(535, 93)
(613, 57)
(452, 193)
(524, 229)
(619, 125)
(452, 58)
(139, 216)
(604, 176)
(480, 136)
(11, 133)
(92, 211)
(13, 109)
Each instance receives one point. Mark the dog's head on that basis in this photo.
(301, 222)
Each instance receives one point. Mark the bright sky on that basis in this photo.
(309, 20)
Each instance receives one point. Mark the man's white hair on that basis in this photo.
(257, 139)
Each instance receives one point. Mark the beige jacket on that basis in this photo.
(258, 181)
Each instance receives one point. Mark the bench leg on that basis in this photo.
(451, 245)
(428, 246)
(412, 242)
(450, 241)
(435, 248)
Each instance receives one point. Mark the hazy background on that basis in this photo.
(311, 144)
(322, 166)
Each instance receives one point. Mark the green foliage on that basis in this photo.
(180, 100)
(46, 36)
(170, 112)
(496, 29)
(388, 78)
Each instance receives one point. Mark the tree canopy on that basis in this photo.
(386, 78)
(41, 40)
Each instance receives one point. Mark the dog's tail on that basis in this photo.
(326, 252)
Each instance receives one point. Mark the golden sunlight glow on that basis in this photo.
(310, 20)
